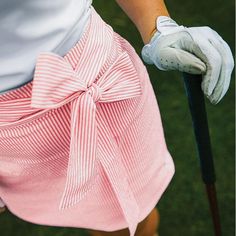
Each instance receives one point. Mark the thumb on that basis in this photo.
(177, 59)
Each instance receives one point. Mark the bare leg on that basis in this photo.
(2, 209)
(147, 227)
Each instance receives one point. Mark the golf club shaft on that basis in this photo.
(192, 84)
(211, 193)
(197, 108)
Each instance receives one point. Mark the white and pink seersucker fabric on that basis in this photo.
(82, 145)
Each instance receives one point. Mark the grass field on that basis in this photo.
(183, 207)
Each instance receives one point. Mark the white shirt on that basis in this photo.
(28, 27)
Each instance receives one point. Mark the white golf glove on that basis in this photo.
(195, 50)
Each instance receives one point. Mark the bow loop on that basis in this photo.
(54, 81)
(120, 81)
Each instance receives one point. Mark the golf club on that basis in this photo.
(192, 85)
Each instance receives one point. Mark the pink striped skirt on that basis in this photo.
(82, 144)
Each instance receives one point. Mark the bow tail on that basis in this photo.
(127, 201)
(82, 166)
(117, 175)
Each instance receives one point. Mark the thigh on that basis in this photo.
(146, 227)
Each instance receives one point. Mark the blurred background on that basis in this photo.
(183, 207)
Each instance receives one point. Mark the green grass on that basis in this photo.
(183, 207)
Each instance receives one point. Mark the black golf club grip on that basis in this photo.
(192, 84)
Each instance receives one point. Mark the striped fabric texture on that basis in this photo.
(73, 140)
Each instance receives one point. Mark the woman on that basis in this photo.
(81, 138)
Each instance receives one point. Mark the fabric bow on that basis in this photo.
(55, 84)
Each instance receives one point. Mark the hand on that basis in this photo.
(195, 50)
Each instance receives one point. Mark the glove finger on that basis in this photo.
(203, 49)
(223, 83)
(213, 62)
(178, 59)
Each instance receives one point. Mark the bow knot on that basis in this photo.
(94, 91)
